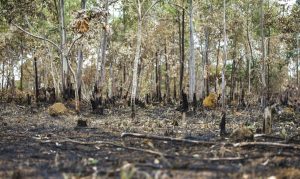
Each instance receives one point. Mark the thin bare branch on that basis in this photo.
(146, 12)
(73, 43)
(267, 144)
(39, 37)
(154, 137)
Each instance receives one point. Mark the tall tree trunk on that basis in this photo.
(181, 78)
(251, 55)
(79, 70)
(263, 70)
(217, 66)
(103, 51)
(110, 81)
(136, 61)
(3, 74)
(268, 67)
(21, 67)
(225, 57)
(36, 80)
(78, 79)
(168, 95)
(206, 64)
(124, 79)
(297, 62)
(64, 62)
(158, 77)
(192, 79)
(233, 71)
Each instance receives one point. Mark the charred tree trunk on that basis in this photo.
(206, 76)
(36, 80)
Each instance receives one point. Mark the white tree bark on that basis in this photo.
(137, 53)
(192, 56)
(263, 68)
(297, 63)
(225, 56)
(102, 56)
(136, 59)
(79, 69)
(64, 61)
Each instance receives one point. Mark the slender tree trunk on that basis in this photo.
(3, 75)
(110, 86)
(225, 57)
(268, 68)
(124, 79)
(233, 71)
(65, 71)
(217, 66)
(175, 88)
(182, 54)
(139, 82)
(53, 71)
(103, 51)
(168, 95)
(136, 61)
(251, 55)
(297, 62)
(36, 80)
(21, 67)
(192, 79)
(78, 79)
(263, 70)
(158, 77)
(206, 64)
(79, 71)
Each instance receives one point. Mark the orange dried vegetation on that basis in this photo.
(210, 101)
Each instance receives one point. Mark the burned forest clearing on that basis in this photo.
(158, 144)
(153, 89)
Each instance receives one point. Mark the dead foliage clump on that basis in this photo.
(210, 101)
(290, 173)
(57, 109)
(242, 134)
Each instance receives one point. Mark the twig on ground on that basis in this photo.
(269, 137)
(266, 144)
(154, 137)
(108, 143)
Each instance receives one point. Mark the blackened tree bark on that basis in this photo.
(36, 80)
